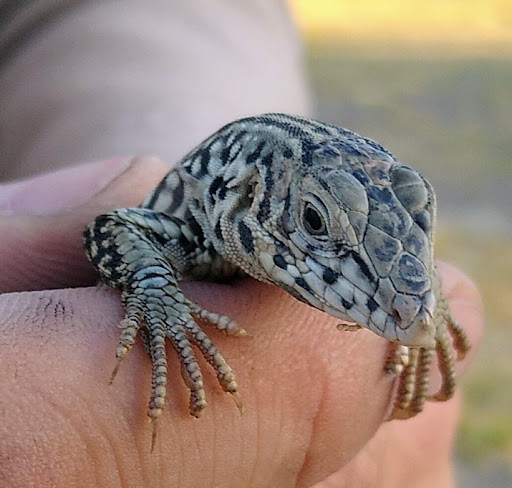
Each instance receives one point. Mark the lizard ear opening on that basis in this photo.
(238, 196)
(251, 192)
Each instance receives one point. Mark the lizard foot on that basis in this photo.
(414, 377)
(165, 314)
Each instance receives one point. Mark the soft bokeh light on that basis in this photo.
(432, 81)
(461, 21)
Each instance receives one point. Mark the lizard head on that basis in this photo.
(331, 217)
(352, 235)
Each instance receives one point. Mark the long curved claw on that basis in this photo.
(238, 401)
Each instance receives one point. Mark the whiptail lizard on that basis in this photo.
(326, 214)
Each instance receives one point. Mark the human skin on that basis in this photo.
(314, 398)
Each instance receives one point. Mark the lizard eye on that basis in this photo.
(313, 220)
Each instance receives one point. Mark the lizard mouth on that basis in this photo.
(413, 319)
(407, 319)
(398, 304)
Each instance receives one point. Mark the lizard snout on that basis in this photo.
(413, 318)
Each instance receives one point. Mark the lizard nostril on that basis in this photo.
(396, 315)
(405, 310)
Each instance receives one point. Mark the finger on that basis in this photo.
(416, 453)
(42, 219)
(293, 376)
(313, 396)
(466, 305)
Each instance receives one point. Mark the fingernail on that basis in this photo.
(61, 189)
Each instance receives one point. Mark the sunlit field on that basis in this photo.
(459, 23)
(433, 82)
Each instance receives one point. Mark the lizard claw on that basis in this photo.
(154, 422)
(115, 371)
(238, 401)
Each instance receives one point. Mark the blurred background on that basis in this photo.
(432, 81)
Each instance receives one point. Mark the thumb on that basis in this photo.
(42, 219)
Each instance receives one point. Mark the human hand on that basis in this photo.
(314, 398)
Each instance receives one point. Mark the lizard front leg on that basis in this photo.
(143, 253)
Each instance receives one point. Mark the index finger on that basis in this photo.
(42, 219)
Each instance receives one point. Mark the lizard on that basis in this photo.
(328, 215)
